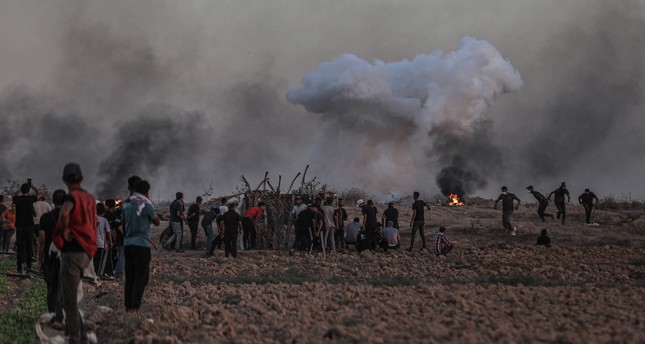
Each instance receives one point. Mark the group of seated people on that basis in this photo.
(388, 238)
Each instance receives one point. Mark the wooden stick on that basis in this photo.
(292, 182)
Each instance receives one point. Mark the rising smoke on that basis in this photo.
(78, 75)
(429, 113)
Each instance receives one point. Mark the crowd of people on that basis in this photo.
(76, 233)
(324, 227)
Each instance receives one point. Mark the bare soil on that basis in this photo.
(589, 286)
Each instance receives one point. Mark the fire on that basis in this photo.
(118, 203)
(453, 200)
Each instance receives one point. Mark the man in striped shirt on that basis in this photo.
(441, 245)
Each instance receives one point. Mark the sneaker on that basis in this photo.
(557, 216)
(291, 252)
(422, 249)
(409, 249)
(514, 232)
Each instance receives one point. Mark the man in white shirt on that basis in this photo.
(40, 207)
(391, 234)
(330, 226)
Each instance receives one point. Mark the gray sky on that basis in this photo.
(77, 75)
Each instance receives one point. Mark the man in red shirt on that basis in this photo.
(75, 236)
(251, 218)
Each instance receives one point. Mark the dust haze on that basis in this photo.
(195, 94)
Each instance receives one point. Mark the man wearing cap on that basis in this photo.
(558, 199)
(542, 203)
(391, 214)
(192, 219)
(586, 199)
(75, 236)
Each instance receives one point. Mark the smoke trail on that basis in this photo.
(396, 122)
(158, 136)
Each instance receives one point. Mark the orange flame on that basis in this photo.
(453, 200)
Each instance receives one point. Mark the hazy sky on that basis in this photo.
(192, 92)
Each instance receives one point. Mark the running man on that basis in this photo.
(508, 199)
(559, 200)
(586, 199)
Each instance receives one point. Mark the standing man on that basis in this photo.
(103, 240)
(25, 224)
(330, 224)
(249, 224)
(49, 262)
(40, 207)
(299, 224)
(586, 199)
(176, 218)
(391, 214)
(370, 221)
(75, 236)
(136, 218)
(223, 208)
(508, 199)
(542, 203)
(340, 216)
(115, 215)
(192, 219)
(559, 200)
(207, 224)
(418, 220)
(232, 227)
(114, 220)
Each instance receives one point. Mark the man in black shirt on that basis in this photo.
(176, 220)
(232, 226)
(559, 200)
(418, 220)
(340, 216)
(586, 199)
(508, 199)
(49, 262)
(192, 219)
(544, 239)
(25, 225)
(542, 203)
(391, 214)
(370, 221)
(113, 216)
(302, 223)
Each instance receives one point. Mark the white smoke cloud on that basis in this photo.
(379, 117)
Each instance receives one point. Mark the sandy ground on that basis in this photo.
(588, 287)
